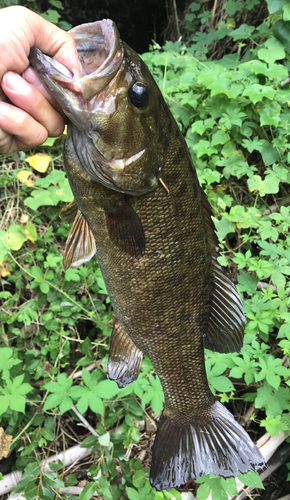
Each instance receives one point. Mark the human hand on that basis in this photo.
(34, 115)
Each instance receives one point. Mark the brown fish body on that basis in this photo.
(153, 295)
(157, 251)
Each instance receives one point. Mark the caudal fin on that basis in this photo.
(217, 445)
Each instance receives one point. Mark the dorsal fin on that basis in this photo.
(225, 330)
(80, 245)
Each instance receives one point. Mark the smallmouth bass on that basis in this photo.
(139, 207)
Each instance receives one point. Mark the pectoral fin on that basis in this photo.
(68, 213)
(125, 357)
(125, 230)
(80, 245)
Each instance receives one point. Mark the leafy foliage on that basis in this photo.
(234, 114)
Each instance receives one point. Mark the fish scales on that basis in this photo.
(139, 207)
(159, 284)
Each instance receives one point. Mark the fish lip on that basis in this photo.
(106, 44)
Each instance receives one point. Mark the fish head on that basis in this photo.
(115, 104)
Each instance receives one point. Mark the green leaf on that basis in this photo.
(44, 287)
(15, 237)
(65, 405)
(104, 440)
(243, 32)
(274, 51)
(96, 405)
(203, 491)
(107, 389)
(273, 425)
(252, 479)
(273, 379)
(87, 378)
(51, 16)
(37, 272)
(156, 404)
(132, 493)
(56, 3)
(30, 231)
(281, 30)
(286, 12)
(52, 401)
(274, 401)
(83, 405)
(4, 403)
(17, 403)
(247, 283)
(270, 113)
(276, 5)
(88, 491)
(257, 92)
(223, 227)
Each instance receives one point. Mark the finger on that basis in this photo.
(32, 78)
(52, 40)
(29, 99)
(22, 29)
(18, 130)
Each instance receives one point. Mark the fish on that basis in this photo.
(139, 208)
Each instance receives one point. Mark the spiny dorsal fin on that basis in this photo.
(125, 230)
(125, 357)
(80, 245)
(225, 330)
(68, 213)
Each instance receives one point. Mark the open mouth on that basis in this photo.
(100, 53)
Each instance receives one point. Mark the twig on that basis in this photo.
(283, 454)
(262, 285)
(176, 19)
(74, 490)
(283, 84)
(268, 446)
(245, 419)
(89, 368)
(69, 456)
(213, 12)
(84, 421)
(284, 202)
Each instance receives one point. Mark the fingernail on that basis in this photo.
(14, 81)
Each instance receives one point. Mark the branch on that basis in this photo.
(268, 446)
(285, 82)
(84, 421)
(262, 285)
(284, 202)
(68, 457)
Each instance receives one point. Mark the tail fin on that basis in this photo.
(218, 446)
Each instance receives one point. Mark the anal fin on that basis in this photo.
(125, 357)
(80, 245)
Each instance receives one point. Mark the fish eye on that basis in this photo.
(138, 95)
